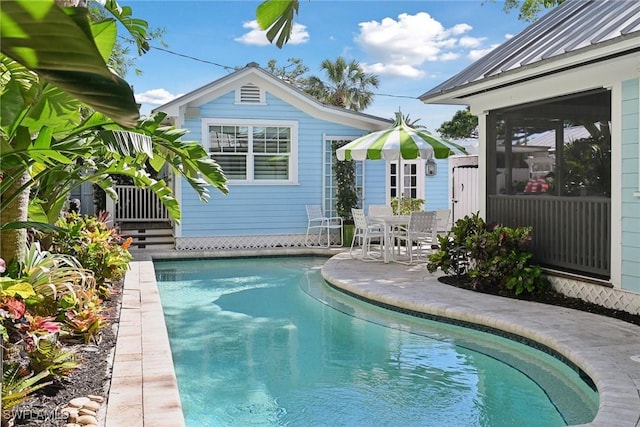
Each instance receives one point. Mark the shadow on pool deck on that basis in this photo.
(144, 388)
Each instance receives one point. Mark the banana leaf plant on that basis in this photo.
(67, 119)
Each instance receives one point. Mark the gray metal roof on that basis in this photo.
(574, 26)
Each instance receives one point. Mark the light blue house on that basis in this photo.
(577, 67)
(275, 144)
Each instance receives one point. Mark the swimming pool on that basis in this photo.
(264, 341)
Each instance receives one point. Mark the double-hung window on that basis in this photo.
(254, 152)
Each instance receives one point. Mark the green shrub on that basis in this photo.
(95, 245)
(491, 256)
(407, 205)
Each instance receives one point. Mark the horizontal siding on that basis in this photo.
(262, 209)
(630, 182)
(437, 187)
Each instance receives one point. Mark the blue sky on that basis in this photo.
(411, 45)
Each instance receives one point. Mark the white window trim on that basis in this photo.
(293, 154)
(329, 138)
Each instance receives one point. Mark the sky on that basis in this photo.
(412, 46)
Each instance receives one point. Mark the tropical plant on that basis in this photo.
(347, 85)
(47, 139)
(85, 318)
(490, 256)
(54, 275)
(96, 246)
(48, 356)
(16, 388)
(346, 191)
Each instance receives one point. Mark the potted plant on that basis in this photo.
(346, 193)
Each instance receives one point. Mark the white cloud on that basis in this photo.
(398, 70)
(258, 37)
(471, 42)
(155, 97)
(449, 56)
(476, 54)
(401, 46)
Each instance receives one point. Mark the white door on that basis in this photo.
(410, 183)
(464, 191)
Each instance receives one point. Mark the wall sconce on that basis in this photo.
(431, 167)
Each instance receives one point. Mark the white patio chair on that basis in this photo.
(386, 211)
(421, 232)
(318, 222)
(443, 223)
(365, 232)
(380, 210)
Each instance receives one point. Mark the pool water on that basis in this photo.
(265, 342)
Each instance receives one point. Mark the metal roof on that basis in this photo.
(574, 26)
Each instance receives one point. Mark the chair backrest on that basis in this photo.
(423, 221)
(359, 219)
(314, 212)
(442, 219)
(380, 210)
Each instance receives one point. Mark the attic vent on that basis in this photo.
(250, 94)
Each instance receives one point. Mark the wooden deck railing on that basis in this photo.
(138, 204)
(569, 233)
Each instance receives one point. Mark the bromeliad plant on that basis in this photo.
(491, 256)
(95, 245)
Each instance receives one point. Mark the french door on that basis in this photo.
(407, 180)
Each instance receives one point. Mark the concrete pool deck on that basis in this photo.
(144, 388)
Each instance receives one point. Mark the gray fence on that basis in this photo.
(569, 233)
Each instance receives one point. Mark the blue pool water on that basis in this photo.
(265, 342)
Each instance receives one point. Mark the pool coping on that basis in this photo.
(144, 388)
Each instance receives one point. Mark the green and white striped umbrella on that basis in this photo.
(400, 142)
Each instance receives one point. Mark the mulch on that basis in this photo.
(547, 297)
(93, 376)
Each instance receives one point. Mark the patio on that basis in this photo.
(144, 389)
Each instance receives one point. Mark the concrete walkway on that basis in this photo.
(144, 388)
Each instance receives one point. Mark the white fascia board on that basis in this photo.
(595, 76)
(535, 70)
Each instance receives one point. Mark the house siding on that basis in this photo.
(262, 209)
(630, 185)
(437, 187)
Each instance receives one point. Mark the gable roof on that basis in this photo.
(253, 74)
(575, 33)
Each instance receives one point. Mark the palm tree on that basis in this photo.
(348, 86)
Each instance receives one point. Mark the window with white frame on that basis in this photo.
(254, 152)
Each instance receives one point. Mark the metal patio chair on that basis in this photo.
(318, 222)
(365, 232)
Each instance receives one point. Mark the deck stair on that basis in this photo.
(149, 235)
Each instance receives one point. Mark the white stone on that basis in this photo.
(84, 411)
(78, 402)
(91, 405)
(96, 398)
(87, 420)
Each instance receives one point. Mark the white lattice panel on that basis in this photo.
(602, 295)
(241, 242)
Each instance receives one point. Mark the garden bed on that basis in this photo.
(548, 296)
(93, 377)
